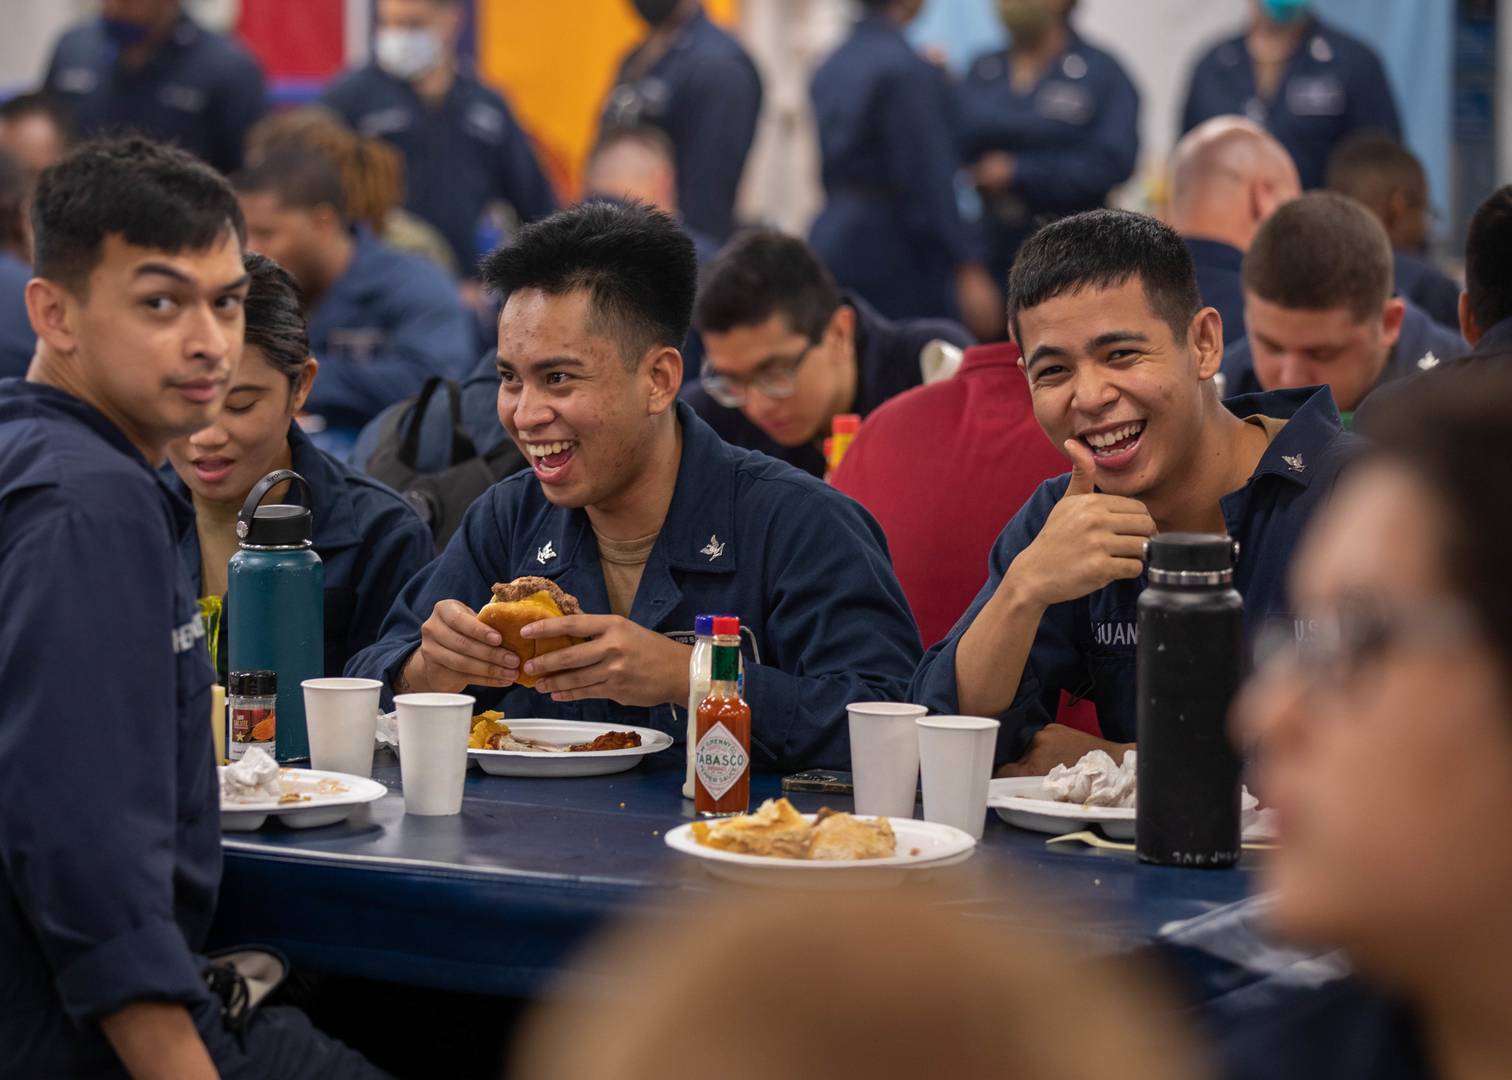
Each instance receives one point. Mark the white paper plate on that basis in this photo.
(1022, 801)
(319, 810)
(937, 845)
(567, 733)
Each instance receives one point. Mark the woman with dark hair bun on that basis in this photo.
(368, 537)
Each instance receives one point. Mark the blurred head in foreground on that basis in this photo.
(1385, 741)
(882, 986)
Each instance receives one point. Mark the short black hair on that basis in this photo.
(1319, 252)
(1371, 166)
(301, 177)
(275, 316)
(1488, 260)
(39, 103)
(15, 190)
(761, 273)
(636, 264)
(1102, 249)
(152, 196)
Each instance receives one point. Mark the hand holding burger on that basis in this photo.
(460, 647)
(524, 601)
(534, 633)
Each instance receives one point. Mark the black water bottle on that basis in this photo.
(1190, 657)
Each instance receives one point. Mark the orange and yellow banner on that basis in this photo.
(555, 61)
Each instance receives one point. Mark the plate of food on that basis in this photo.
(536, 747)
(779, 846)
(254, 789)
(1095, 791)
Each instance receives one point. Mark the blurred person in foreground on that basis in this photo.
(1308, 84)
(1389, 180)
(1120, 356)
(145, 67)
(1384, 745)
(110, 840)
(787, 352)
(634, 506)
(1319, 308)
(369, 540)
(380, 321)
(1227, 176)
(372, 172)
(883, 985)
(18, 341)
(1049, 125)
(34, 129)
(891, 229)
(463, 148)
(695, 82)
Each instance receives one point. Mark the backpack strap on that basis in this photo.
(462, 448)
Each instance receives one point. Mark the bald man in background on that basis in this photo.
(1227, 176)
(640, 165)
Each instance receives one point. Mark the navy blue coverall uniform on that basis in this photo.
(110, 838)
(1087, 646)
(804, 567)
(17, 339)
(466, 153)
(1333, 85)
(1074, 136)
(390, 322)
(891, 228)
(199, 90)
(705, 93)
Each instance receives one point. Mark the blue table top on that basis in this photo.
(497, 899)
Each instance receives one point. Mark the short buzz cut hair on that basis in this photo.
(1320, 252)
(300, 177)
(1103, 249)
(644, 136)
(1370, 167)
(1488, 260)
(152, 196)
(634, 261)
(761, 273)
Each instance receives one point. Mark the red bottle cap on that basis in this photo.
(847, 424)
(726, 626)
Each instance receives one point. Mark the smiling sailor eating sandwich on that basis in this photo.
(635, 507)
(1120, 356)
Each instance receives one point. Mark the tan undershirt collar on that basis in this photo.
(623, 562)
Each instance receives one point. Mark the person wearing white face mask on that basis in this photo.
(462, 146)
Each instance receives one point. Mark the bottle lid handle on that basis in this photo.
(260, 491)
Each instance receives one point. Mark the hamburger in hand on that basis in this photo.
(524, 601)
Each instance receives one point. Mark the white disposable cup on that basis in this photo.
(884, 740)
(955, 758)
(433, 730)
(341, 716)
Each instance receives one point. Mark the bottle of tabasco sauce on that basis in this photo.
(722, 759)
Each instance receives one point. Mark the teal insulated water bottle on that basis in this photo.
(274, 599)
